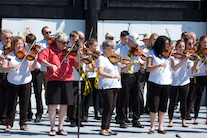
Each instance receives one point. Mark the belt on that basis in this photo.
(131, 74)
(2, 73)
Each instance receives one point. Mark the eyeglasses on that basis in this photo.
(63, 42)
(8, 38)
(48, 32)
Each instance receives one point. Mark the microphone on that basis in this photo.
(177, 136)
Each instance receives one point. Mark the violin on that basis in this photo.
(139, 52)
(166, 52)
(50, 40)
(115, 58)
(73, 52)
(205, 51)
(36, 49)
(9, 59)
(22, 54)
(7, 49)
(181, 55)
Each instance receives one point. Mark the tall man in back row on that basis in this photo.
(130, 82)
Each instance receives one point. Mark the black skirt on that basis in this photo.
(60, 92)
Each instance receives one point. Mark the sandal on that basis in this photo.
(112, 132)
(24, 128)
(151, 132)
(62, 132)
(52, 132)
(104, 133)
(162, 131)
(8, 128)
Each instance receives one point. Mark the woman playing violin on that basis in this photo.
(19, 78)
(200, 72)
(59, 80)
(180, 85)
(189, 48)
(108, 85)
(93, 77)
(159, 80)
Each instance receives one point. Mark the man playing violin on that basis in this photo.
(6, 37)
(130, 82)
(46, 32)
(37, 82)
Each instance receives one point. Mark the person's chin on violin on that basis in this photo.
(19, 78)
(109, 84)
(59, 76)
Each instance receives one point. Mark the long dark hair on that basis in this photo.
(159, 45)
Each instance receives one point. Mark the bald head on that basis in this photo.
(81, 35)
(193, 36)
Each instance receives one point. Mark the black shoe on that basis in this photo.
(137, 124)
(73, 124)
(67, 119)
(188, 117)
(3, 123)
(130, 115)
(117, 121)
(38, 119)
(123, 125)
(85, 119)
(127, 121)
(97, 118)
(81, 125)
(29, 117)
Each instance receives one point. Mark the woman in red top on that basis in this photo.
(59, 80)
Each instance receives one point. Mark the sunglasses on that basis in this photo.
(190, 43)
(63, 42)
(48, 32)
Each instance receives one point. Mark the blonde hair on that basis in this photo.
(149, 44)
(108, 43)
(15, 39)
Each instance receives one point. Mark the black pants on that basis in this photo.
(72, 111)
(190, 96)
(23, 92)
(109, 99)
(3, 89)
(201, 82)
(183, 93)
(158, 97)
(142, 80)
(130, 86)
(37, 86)
(87, 98)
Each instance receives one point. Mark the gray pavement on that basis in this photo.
(92, 128)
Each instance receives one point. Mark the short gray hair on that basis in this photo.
(60, 36)
(5, 31)
(109, 44)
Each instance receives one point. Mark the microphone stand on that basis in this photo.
(79, 91)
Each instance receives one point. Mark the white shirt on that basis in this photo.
(119, 46)
(158, 76)
(107, 83)
(76, 74)
(180, 76)
(43, 44)
(1, 53)
(125, 51)
(22, 75)
(202, 70)
(190, 73)
(38, 65)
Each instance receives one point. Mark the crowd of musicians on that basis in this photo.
(113, 75)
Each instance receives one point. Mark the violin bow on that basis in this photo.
(90, 33)
(168, 59)
(168, 33)
(63, 60)
(27, 53)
